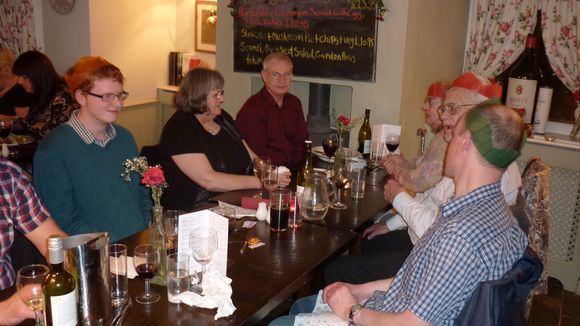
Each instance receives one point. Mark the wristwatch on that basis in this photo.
(354, 310)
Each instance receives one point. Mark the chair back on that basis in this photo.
(503, 301)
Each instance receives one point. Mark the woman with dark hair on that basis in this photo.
(13, 98)
(201, 151)
(50, 103)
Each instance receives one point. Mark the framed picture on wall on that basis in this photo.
(205, 25)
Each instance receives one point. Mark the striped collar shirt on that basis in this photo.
(20, 209)
(86, 134)
(475, 238)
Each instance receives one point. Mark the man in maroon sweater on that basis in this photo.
(272, 121)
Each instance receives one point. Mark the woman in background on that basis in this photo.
(13, 98)
(201, 151)
(50, 103)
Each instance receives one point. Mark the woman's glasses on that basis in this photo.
(451, 108)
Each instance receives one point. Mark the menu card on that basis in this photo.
(205, 219)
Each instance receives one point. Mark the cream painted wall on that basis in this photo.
(137, 36)
(434, 51)
(66, 37)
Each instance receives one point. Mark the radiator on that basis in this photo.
(564, 247)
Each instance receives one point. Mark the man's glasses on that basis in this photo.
(110, 97)
(451, 108)
(277, 75)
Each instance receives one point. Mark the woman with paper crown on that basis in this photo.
(420, 174)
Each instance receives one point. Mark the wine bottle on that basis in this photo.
(364, 136)
(542, 107)
(58, 289)
(523, 82)
(306, 169)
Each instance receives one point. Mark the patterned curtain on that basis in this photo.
(561, 37)
(498, 32)
(17, 26)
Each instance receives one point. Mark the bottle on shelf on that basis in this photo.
(307, 168)
(364, 136)
(543, 103)
(59, 290)
(523, 82)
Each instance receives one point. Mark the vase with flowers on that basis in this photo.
(576, 125)
(343, 126)
(153, 178)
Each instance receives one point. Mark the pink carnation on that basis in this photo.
(344, 120)
(153, 177)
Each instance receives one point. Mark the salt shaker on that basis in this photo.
(262, 211)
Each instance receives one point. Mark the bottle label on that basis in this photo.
(542, 109)
(522, 94)
(64, 309)
(367, 147)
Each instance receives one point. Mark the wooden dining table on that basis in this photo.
(261, 278)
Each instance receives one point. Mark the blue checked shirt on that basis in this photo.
(475, 238)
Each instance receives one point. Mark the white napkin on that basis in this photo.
(217, 293)
(131, 272)
(240, 211)
(321, 315)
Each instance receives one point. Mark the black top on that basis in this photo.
(16, 97)
(184, 134)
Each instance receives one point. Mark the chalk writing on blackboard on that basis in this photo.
(330, 39)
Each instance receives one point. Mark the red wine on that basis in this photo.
(392, 147)
(146, 271)
(329, 150)
(279, 218)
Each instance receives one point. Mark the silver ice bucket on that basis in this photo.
(377, 177)
(87, 259)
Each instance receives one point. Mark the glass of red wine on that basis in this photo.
(392, 143)
(146, 260)
(5, 128)
(329, 144)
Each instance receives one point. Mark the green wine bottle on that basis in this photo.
(364, 136)
(59, 290)
(307, 168)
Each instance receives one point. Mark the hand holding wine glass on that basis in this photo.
(392, 142)
(329, 144)
(146, 260)
(203, 243)
(29, 280)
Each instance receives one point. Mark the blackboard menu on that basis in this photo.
(324, 38)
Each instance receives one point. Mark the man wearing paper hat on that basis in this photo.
(474, 239)
(382, 254)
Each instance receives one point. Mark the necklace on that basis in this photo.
(213, 130)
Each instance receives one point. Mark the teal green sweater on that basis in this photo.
(82, 187)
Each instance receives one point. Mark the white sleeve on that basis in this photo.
(511, 181)
(419, 215)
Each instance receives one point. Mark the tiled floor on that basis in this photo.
(558, 307)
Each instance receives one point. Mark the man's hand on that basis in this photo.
(393, 164)
(374, 230)
(339, 297)
(392, 189)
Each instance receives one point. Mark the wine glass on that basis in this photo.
(203, 243)
(261, 166)
(29, 281)
(171, 228)
(392, 143)
(329, 144)
(340, 179)
(5, 128)
(271, 178)
(146, 260)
